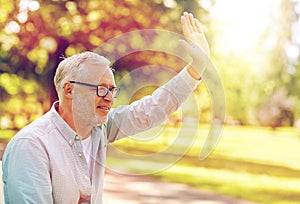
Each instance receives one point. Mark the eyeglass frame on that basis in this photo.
(97, 88)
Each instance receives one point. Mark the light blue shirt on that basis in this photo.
(44, 162)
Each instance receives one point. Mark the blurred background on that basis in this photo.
(255, 45)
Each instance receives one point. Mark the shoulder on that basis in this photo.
(32, 134)
(38, 128)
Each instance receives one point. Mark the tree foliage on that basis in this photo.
(35, 35)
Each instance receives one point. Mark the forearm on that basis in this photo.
(152, 110)
(178, 89)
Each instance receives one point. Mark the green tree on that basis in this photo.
(34, 35)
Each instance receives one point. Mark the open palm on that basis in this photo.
(193, 32)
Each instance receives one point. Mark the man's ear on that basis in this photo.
(68, 88)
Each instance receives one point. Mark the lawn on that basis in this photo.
(252, 163)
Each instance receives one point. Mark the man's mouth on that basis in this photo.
(106, 108)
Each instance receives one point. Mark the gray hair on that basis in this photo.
(69, 67)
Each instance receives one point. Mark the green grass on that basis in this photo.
(256, 164)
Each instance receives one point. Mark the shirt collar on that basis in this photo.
(65, 130)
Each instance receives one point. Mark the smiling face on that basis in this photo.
(104, 104)
(88, 108)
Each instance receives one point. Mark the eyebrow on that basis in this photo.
(107, 85)
(92, 85)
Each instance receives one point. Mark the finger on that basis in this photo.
(199, 26)
(185, 27)
(193, 23)
(188, 20)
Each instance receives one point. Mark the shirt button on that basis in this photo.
(77, 137)
(86, 178)
(79, 154)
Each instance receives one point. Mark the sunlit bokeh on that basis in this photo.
(241, 24)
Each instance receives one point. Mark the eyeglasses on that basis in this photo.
(102, 91)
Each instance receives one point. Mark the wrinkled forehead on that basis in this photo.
(92, 72)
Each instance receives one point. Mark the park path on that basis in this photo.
(127, 189)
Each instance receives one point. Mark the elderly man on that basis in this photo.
(60, 158)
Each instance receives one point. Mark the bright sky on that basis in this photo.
(241, 22)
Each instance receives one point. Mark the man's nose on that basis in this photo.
(109, 96)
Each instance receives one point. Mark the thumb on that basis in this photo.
(192, 49)
(187, 46)
(199, 57)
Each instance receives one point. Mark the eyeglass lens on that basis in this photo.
(102, 91)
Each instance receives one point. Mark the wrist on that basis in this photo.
(193, 72)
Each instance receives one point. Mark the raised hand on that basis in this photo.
(196, 44)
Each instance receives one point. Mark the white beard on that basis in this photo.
(84, 115)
